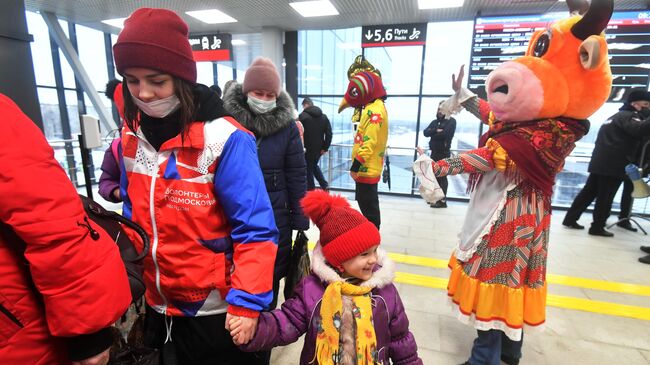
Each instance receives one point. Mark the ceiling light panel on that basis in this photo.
(211, 16)
(310, 9)
(439, 4)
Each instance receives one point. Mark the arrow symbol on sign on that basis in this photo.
(368, 35)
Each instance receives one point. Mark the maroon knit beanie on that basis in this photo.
(262, 75)
(344, 232)
(155, 39)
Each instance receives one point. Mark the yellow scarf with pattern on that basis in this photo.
(328, 351)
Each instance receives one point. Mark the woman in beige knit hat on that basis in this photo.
(261, 106)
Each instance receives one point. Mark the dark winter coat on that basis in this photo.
(440, 142)
(318, 132)
(618, 142)
(282, 160)
(301, 315)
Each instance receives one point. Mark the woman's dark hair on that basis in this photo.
(187, 109)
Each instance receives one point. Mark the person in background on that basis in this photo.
(216, 89)
(616, 146)
(109, 181)
(627, 201)
(318, 136)
(63, 281)
(260, 105)
(348, 307)
(192, 181)
(441, 131)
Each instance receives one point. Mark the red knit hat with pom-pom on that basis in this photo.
(344, 232)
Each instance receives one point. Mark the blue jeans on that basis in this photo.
(313, 171)
(490, 345)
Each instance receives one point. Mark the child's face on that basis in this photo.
(362, 265)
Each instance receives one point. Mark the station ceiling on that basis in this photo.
(252, 15)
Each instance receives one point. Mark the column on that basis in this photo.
(17, 79)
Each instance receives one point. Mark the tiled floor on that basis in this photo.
(571, 336)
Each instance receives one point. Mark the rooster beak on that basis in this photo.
(344, 104)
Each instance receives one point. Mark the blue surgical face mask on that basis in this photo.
(259, 106)
(159, 108)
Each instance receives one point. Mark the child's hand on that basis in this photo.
(234, 324)
(420, 151)
(242, 329)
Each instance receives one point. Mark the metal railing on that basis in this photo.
(338, 161)
(336, 165)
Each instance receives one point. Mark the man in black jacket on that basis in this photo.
(441, 131)
(616, 146)
(318, 136)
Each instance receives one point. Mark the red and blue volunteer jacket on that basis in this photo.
(202, 199)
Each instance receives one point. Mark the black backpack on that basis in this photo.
(112, 223)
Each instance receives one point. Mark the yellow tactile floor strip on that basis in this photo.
(559, 301)
(602, 285)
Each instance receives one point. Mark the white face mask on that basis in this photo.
(259, 106)
(159, 108)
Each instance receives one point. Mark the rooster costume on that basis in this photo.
(366, 94)
(536, 110)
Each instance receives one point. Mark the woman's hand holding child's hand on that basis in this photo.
(242, 329)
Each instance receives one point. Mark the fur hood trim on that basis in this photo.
(380, 278)
(261, 125)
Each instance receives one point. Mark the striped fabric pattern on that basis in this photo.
(514, 253)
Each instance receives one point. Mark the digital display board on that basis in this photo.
(500, 39)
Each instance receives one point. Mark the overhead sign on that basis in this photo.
(394, 35)
(503, 38)
(211, 47)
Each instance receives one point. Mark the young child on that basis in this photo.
(348, 307)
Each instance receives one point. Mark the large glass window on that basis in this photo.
(204, 73)
(66, 70)
(244, 55)
(224, 73)
(400, 68)
(402, 122)
(448, 47)
(92, 54)
(41, 51)
(50, 112)
(323, 60)
(323, 73)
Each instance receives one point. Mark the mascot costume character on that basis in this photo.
(536, 111)
(366, 94)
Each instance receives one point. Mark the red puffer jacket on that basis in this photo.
(81, 282)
